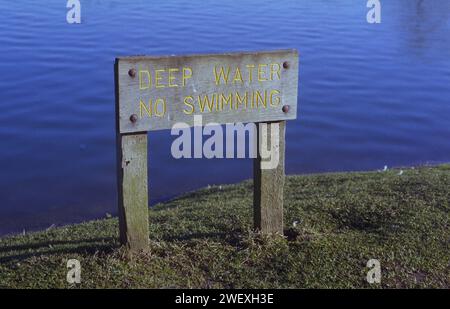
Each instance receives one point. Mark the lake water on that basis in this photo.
(370, 95)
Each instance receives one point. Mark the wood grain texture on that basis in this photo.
(268, 186)
(203, 83)
(133, 192)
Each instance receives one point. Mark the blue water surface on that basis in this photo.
(370, 95)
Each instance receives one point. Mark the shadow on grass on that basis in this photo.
(17, 253)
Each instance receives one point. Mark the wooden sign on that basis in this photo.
(154, 93)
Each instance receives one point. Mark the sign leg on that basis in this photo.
(268, 184)
(132, 190)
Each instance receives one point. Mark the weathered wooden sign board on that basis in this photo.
(154, 93)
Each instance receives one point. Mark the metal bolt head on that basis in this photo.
(132, 72)
(285, 108)
(286, 65)
(133, 118)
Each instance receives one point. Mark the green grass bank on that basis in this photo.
(204, 239)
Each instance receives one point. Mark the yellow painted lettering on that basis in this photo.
(241, 100)
(227, 99)
(148, 83)
(143, 107)
(206, 101)
(261, 72)
(188, 102)
(275, 71)
(237, 76)
(157, 109)
(250, 68)
(260, 98)
(172, 77)
(220, 74)
(158, 77)
(277, 98)
(187, 73)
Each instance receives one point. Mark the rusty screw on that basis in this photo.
(132, 72)
(285, 108)
(286, 65)
(133, 118)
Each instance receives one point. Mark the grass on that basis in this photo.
(204, 239)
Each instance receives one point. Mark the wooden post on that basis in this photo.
(131, 183)
(133, 192)
(268, 184)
